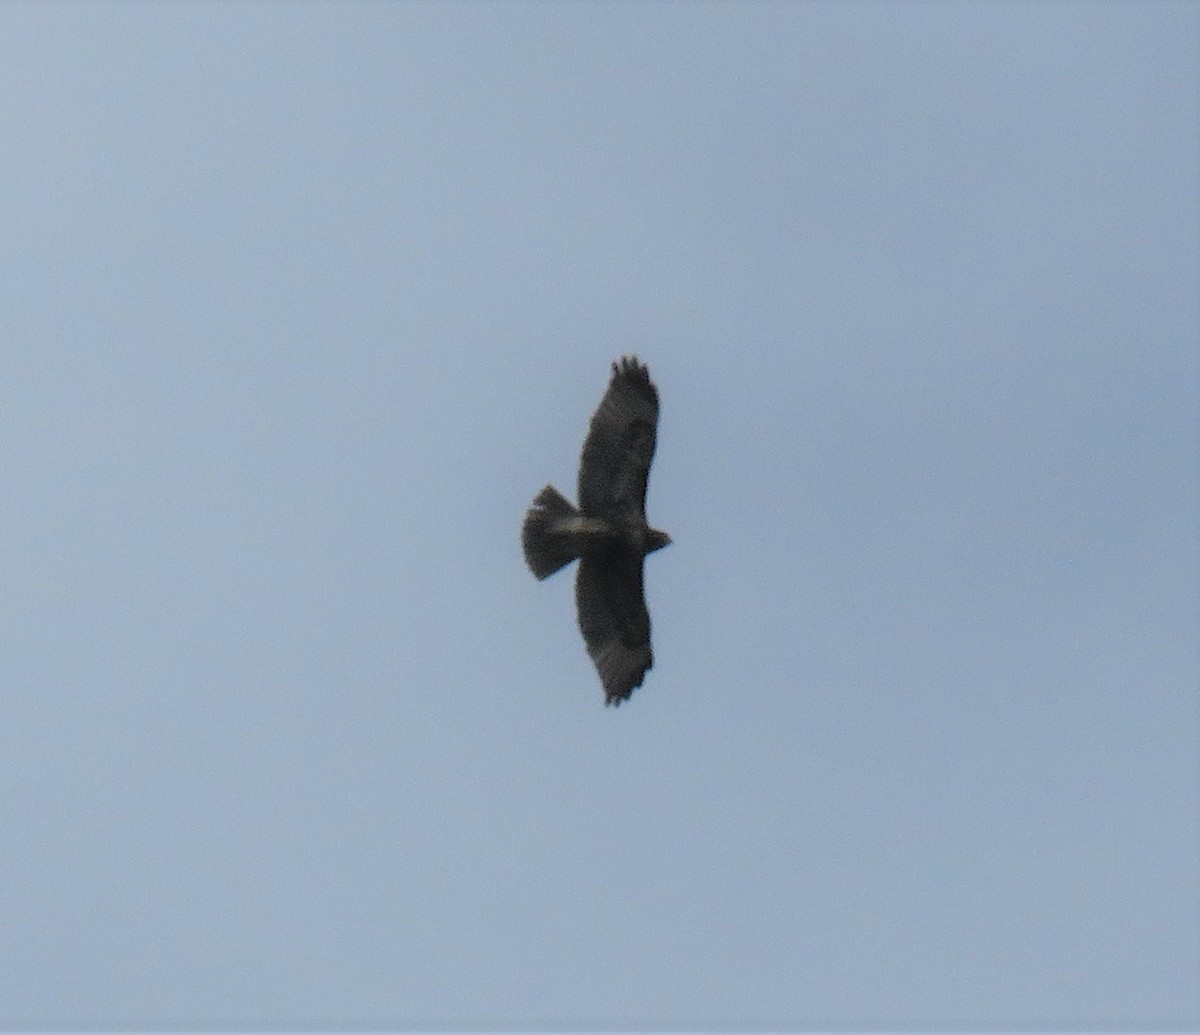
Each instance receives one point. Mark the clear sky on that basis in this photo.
(301, 305)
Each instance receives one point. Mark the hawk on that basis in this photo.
(608, 531)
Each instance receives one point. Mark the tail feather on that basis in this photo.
(547, 547)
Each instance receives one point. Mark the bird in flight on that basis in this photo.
(608, 531)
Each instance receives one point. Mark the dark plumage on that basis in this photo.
(608, 531)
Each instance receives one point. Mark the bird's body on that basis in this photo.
(608, 532)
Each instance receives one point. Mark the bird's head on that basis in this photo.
(656, 540)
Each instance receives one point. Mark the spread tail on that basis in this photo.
(548, 545)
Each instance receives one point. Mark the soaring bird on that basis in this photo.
(608, 531)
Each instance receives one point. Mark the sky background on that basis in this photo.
(303, 303)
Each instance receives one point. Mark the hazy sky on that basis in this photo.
(301, 305)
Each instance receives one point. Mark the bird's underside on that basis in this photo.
(608, 532)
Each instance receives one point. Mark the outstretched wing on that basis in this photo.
(614, 621)
(620, 444)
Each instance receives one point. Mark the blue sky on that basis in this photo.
(303, 303)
